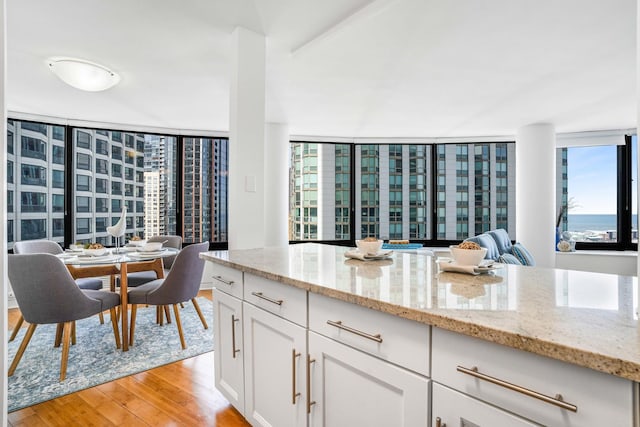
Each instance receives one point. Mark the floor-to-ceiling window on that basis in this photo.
(432, 193)
(596, 192)
(69, 184)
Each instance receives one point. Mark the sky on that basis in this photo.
(592, 175)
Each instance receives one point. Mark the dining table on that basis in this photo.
(117, 262)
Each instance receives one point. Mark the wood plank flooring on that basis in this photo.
(179, 394)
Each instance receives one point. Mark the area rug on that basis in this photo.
(95, 360)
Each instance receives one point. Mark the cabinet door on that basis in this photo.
(451, 408)
(228, 357)
(351, 388)
(275, 355)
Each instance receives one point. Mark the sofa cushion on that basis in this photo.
(486, 241)
(509, 259)
(502, 239)
(523, 254)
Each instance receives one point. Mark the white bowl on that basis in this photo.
(95, 252)
(370, 248)
(76, 248)
(152, 247)
(467, 256)
(137, 242)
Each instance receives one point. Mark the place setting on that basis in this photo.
(369, 249)
(468, 258)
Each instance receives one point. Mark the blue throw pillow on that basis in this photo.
(486, 241)
(523, 254)
(502, 239)
(509, 259)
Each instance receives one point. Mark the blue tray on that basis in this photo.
(406, 246)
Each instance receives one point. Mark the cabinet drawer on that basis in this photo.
(226, 279)
(451, 408)
(470, 365)
(400, 341)
(284, 300)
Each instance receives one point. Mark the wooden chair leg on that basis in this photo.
(132, 322)
(161, 315)
(73, 333)
(58, 335)
(22, 348)
(197, 307)
(101, 318)
(66, 336)
(114, 323)
(167, 313)
(158, 308)
(179, 324)
(181, 305)
(16, 329)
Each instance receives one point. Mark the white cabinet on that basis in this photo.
(547, 391)
(274, 361)
(351, 388)
(453, 409)
(229, 354)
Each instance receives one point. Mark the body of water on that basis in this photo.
(592, 222)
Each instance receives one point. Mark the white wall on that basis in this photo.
(3, 220)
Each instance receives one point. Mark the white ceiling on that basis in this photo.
(351, 68)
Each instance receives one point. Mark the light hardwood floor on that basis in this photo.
(178, 394)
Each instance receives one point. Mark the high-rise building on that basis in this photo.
(107, 175)
(204, 202)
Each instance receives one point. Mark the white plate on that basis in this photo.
(95, 259)
(356, 254)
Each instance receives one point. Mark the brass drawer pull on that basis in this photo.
(557, 400)
(439, 422)
(271, 300)
(294, 394)
(310, 402)
(338, 324)
(223, 280)
(234, 319)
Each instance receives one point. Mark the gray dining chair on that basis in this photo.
(141, 277)
(49, 247)
(47, 294)
(180, 285)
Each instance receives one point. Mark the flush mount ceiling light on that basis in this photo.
(83, 74)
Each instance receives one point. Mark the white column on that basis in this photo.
(535, 191)
(276, 185)
(246, 141)
(3, 217)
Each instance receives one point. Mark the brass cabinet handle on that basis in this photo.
(310, 402)
(338, 324)
(439, 422)
(294, 394)
(557, 400)
(234, 319)
(271, 300)
(223, 280)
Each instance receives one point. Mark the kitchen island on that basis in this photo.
(522, 344)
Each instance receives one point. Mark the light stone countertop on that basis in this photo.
(589, 319)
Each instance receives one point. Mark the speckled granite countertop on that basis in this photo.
(589, 319)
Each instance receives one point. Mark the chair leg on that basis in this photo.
(179, 324)
(161, 315)
(181, 305)
(101, 318)
(158, 314)
(73, 333)
(22, 348)
(58, 335)
(114, 323)
(66, 336)
(167, 313)
(16, 328)
(197, 306)
(132, 322)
